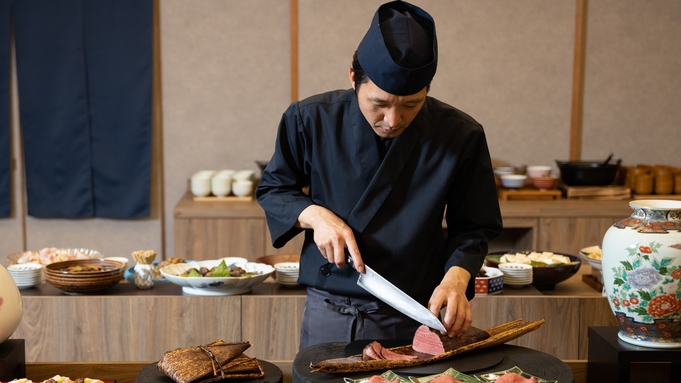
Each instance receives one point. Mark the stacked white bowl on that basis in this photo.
(222, 183)
(287, 273)
(516, 274)
(26, 275)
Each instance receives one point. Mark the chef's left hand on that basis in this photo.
(451, 293)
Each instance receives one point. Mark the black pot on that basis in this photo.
(588, 173)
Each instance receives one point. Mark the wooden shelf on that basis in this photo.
(657, 196)
(597, 192)
(229, 198)
(528, 194)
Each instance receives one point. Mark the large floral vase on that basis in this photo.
(11, 305)
(642, 273)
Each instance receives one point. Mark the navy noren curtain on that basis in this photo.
(5, 157)
(84, 73)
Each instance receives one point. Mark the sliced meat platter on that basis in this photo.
(428, 346)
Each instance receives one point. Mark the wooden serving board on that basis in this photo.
(528, 194)
(229, 198)
(597, 192)
(498, 335)
(657, 196)
(592, 281)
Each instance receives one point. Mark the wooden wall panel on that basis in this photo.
(219, 237)
(568, 235)
(595, 312)
(272, 325)
(98, 328)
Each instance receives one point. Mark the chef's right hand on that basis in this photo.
(332, 236)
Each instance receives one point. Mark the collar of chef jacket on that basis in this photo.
(382, 180)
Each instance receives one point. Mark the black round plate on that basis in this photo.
(468, 362)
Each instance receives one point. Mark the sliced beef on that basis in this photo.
(378, 379)
(374, 351)
(514, 378)
(445, 379)
(390, 355)
(429, 341)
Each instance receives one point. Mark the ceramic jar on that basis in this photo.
(144, 276)
(642, 273)
(11, 305)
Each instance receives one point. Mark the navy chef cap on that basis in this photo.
(399, 51)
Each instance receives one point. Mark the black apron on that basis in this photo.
(327, 314)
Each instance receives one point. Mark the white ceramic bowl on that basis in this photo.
(587, 254)
(200, 186)
(225, 173)
(500, 171)
(242, 188)
(220, 186)
(243, 175)
(534, 171)
(204, 174)
(217, 285)
(513, 181)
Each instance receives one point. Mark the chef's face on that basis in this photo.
(389, 115)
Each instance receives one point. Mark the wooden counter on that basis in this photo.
(130, 325)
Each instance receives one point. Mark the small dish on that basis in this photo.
(459, 376)
(593, 255)
(534, 171)
(513, 181)
(388, 375)
(545, 183)
(493, 376)
(48, 255)
(493, 283)
(503, 170)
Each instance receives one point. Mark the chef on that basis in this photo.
(383, 163)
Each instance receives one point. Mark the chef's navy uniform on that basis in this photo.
(393, 193)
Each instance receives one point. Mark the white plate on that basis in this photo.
(61, 255)
(218, 285)
(285, 266)
(214, 292)
(595, 263)
(25, 267)
(514, 266)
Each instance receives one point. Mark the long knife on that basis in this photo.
(382, 289)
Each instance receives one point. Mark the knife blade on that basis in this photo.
(382, 289)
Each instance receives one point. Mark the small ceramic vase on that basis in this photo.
(642, 273)
(144, 276)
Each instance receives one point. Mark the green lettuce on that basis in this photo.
(222, 270)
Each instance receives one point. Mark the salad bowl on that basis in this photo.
(217, 285)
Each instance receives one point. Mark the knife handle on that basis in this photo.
(325, 269)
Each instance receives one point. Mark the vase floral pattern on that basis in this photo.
(642, 274)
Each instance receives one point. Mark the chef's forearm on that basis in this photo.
(311, 216)
(457, 275)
